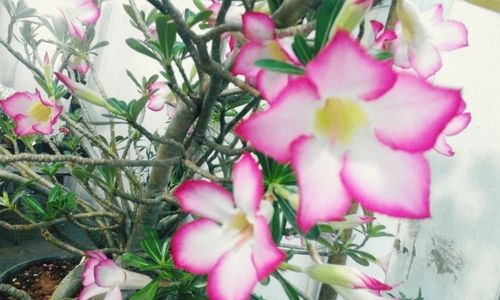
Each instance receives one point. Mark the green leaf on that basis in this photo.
(120, 107)
(34, 207)
(199, 17)
(278, 66)
(135, 107)
(287, 286)
(135, 261)
(326, 15)
(199, 5)
(147, 292)
(276, 229)
(152, 246)
(276, 173)
(139, 47)
(302, 50)
(167, 31)
(100, 45)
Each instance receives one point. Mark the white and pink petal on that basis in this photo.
(199, 245)
(265, 254)
(332, 71)
(322, 194)
(205, 199)
(387, 181)
(289, 117)
(234, 277)
(413, 113)
(258, 27)
(248, 189)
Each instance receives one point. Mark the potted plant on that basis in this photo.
(240, 175)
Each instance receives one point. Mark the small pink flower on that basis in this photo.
(152, 31)
(422, 35)
(31, 113)
(102, 276)
(78, 13)
(231, 242)
(158, 95)
(258, 29)
(381, 36)
(79, 64)
(358, 134)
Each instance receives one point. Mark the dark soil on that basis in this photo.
(40, 281)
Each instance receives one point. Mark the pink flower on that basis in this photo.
(346, 277)
(102, 276)
(214, 7)
(231, 242)
(152, 30)
(354, 129)
(31, 113)
(422, 35)
(262, 43)
(78, 13)
(158, 92)
(79, 64)
(381, 36)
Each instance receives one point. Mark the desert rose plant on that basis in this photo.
(285, 124)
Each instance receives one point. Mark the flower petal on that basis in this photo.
(395, 118)
(332, 71)
(108, 274)
(443, 147)
(114, 294)
(391, 182)
(244, 62)
(248, 189)
(19, 103)
(357, 294)
(205, 199)
(449, 35)
(88, 273)
(322, 194)
(265, 255)
(424, 58)
(457, 124)
(234, 277)
(198, 245)
(271, 84)
(88, 12)
(92, 290)
(258, 26)
(290, 116)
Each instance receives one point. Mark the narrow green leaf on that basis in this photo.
(167, 31)
(287, 287)
(326, 15)
(278, 66)
(276, 230)
(135, 261)
(199, 5)
(199, 17)
(100, 45)
(384, 55)
(34, 206)
(147, 292)
(132, 77)
(302, 50)
(139, 47)
(152, 246)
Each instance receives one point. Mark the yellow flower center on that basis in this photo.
(40, 113)
(275, 52)
(339, 119)
(241, 224)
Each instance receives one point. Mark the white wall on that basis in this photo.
(455, 254)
